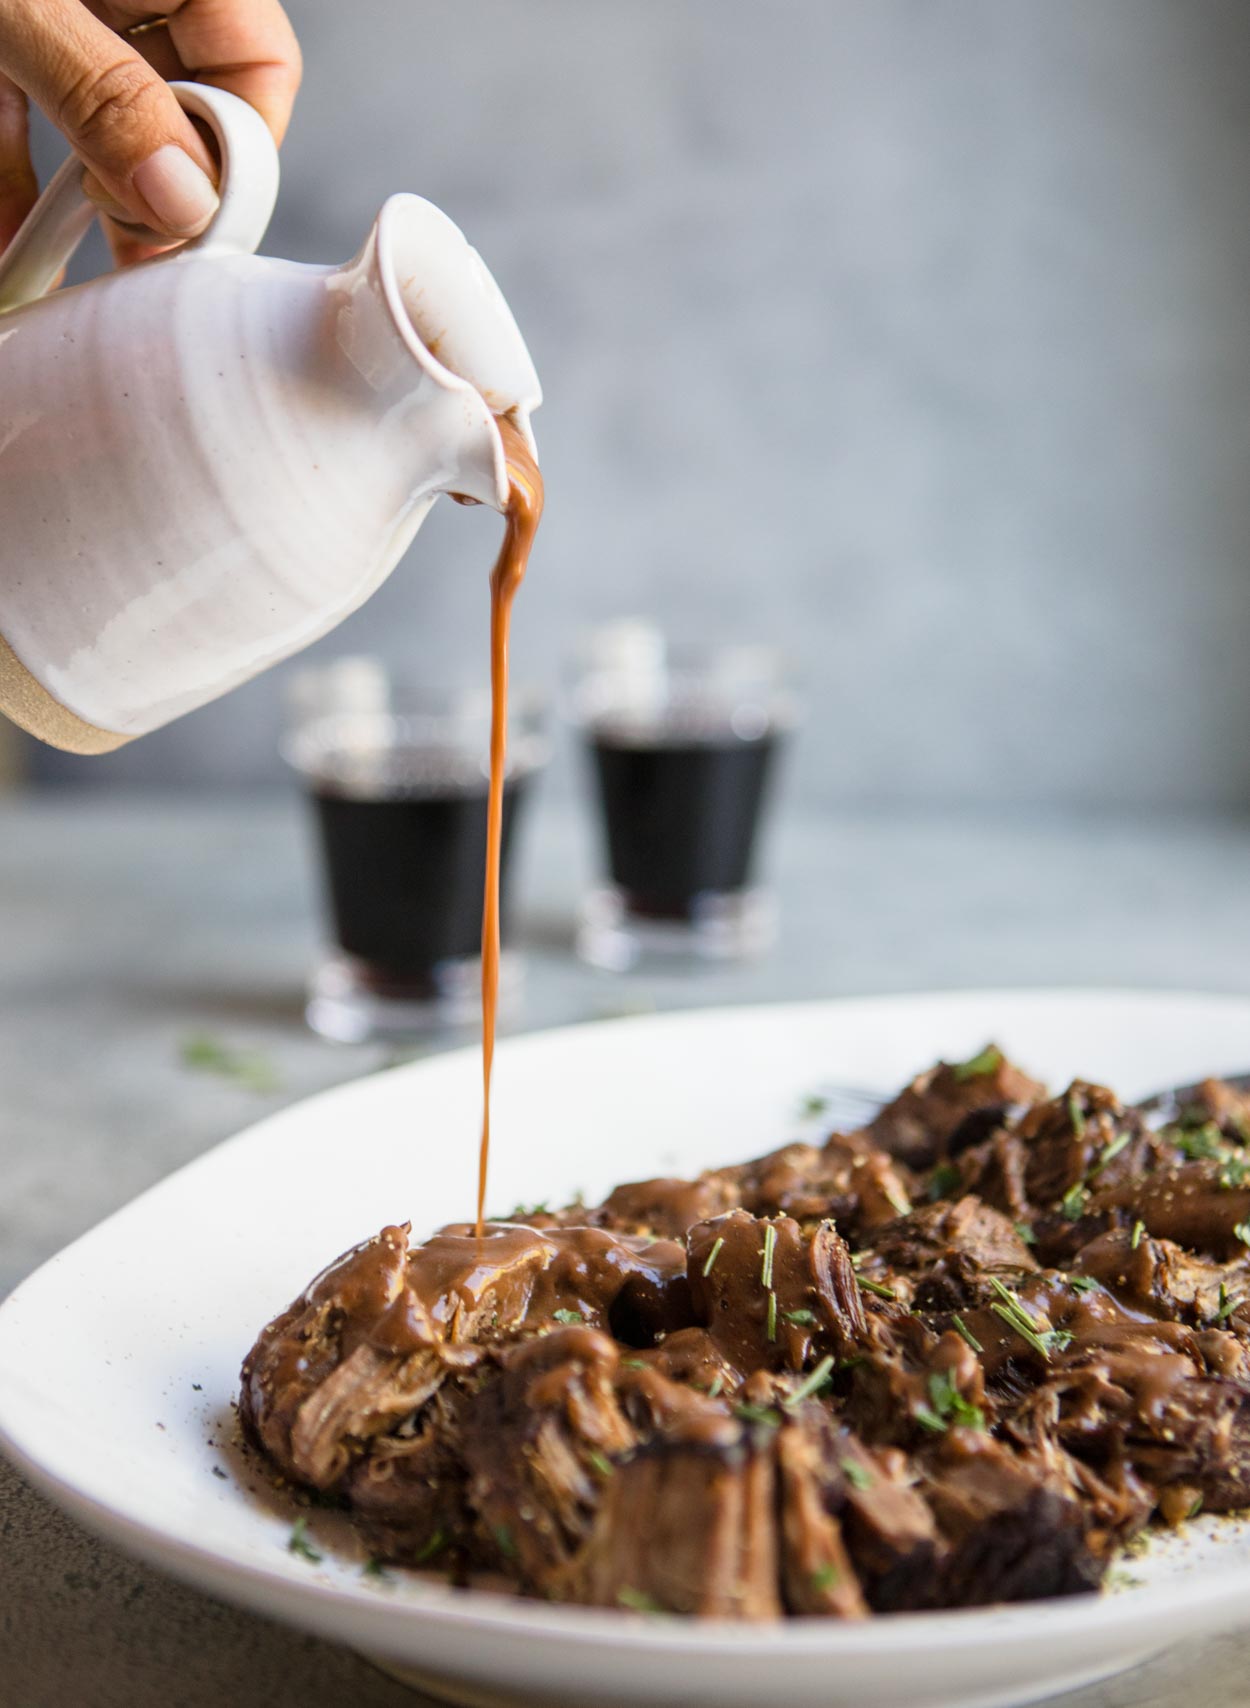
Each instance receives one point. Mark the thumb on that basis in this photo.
(121, 119)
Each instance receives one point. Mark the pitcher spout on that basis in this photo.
(423, 322)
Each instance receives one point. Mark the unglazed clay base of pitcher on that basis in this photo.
(29, 705)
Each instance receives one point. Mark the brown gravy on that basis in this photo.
(525, 508)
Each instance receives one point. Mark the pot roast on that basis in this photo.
(961, 1357)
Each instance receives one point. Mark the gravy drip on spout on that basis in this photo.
(525, 508)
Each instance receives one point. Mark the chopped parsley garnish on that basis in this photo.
(373, 1568)
(1196, 1508)
(1235, 1172)
(713, 1254)
(813, 1104)
(1076, 1115)
(504, 1542)
(1227, 1305)
(757, 1414)
(601, 1463)
(633, 1364)
(1026, 1233)
(248, 1068)
(812, 1384)
(565, 1316)
(1009, 1310)
(1139, 1229)
(825, 1577)
(298, 1543)
(523, 1212)
(859, 1476)
(945, 1178)
(965, 1333)
(1074, 1201)
(1122, 1580)
(1242, 1230)
(638, 1601)
(1082, 1283)
(1201, 1144)
(770, 1246)
(947, 1406)
(1111, 1152)
(989, 1060)
(801, 1319)
(772, 1315)
(718, 1383)
(876, 1287)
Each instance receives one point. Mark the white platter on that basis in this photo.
(119, 1358)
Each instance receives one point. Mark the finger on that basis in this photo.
(128, 240)
(152, 41)
(160, 53)
(18, 188)
(131, 243)
(246, 46)
(121, 119)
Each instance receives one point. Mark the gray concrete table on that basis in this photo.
(127, 925)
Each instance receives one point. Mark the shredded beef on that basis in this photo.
(960, 1357)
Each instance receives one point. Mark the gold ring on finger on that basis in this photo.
(148, 24)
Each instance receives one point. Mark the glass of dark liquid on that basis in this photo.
(683, 745)
(397, 779)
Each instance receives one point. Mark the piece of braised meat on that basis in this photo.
(378, 1332)
(687, 1524)
(349, 1360)
(538, 1442)
(946, 1248)
(919, 1125)
(408, 1491)
(1084, 1140)
(766, 1292)
(1199, 1205)
(847, 1180)
(1010, 1530)
(664, 1208)
(818, 1575)
(843, 1501)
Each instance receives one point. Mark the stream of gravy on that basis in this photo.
(525, 508)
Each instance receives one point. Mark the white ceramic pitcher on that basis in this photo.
(209, 459)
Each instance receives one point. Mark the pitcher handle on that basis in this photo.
(58, 222)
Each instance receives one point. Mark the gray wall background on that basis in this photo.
(911, 334)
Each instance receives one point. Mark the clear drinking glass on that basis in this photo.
(683, 744)
(397, 778)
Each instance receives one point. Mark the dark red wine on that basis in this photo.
(681, 814)
(405, 871)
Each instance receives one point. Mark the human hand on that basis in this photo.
(98, 69)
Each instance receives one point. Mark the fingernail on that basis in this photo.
(177, 191)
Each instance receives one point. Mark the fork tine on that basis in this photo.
(1166, 1105)
(844, 1108)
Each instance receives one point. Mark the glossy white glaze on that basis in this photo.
(209, 460)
